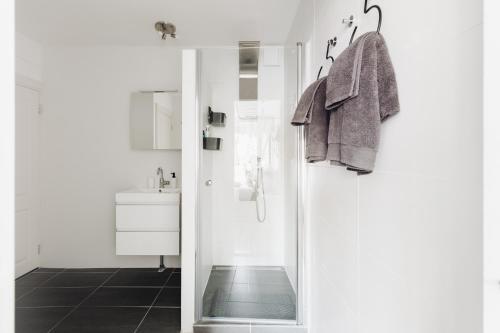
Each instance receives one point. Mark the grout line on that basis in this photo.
(154, 300)
(57, 274)
(44, 307)
(26, 293)
(78, 305)
(71, 287)
(34, 288)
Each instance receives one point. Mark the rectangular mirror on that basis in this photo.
(155, 120)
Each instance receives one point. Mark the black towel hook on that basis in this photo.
(377, 7)
(352, 35)
(366, 9)
(330, 43)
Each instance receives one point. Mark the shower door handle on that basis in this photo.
(208, 182)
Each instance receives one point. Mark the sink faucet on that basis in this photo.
(163, 182)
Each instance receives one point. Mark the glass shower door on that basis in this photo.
(247, 229)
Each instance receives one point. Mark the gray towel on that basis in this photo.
(312, 114)
(361, 92)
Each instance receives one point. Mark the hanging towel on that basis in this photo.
(311, 113)
(361, 92)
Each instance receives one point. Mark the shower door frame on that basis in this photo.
(301, 187)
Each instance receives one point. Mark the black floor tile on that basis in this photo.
(174, 280)
(36, 320)
(260, 311)
(145, 269)
(48, 270)
(139, 278)
(77, 280)
(177, 270)
(169, 297)
(161, 320)
(115, 296)
(33, 280)
(22, 291)
(91, 270)
(54, 297)
(102, 320)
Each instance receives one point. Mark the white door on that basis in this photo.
(27, 165)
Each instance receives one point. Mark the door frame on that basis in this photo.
(191, 115)
(36, 86)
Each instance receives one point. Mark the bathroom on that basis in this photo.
(160, 185)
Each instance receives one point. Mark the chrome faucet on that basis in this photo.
(162, 182)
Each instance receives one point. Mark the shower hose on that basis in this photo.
(260, 201)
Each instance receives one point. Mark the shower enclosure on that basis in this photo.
(248, 261)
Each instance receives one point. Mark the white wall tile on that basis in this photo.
(399, 250)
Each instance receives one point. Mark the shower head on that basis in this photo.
(166, 30)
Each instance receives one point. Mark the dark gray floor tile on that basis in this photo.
(54, 297)
(219, 277)
(138, 278)
(48, 270)
(274, 293)
(38, 320)
(214, 302)
(270, 277)
(102, 320)
(91, 270)
(169, 297)
(33, 280)
(212, 287)
(122, 297)
(77, 280)
(174, 280)
(259, 310)
(177, 270)
(243, 276)
(261, 293)
(161, 320)
(243, 292)
(22, 291)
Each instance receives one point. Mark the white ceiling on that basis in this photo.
(130, 22)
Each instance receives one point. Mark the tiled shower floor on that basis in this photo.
(98, 300)
(249, 292)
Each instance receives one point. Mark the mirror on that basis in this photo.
(155, 120)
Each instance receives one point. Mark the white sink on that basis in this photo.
(146, 196)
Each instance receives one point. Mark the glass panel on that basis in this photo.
(247, 261)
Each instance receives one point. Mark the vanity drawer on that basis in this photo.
(147, 218)
(147, 243)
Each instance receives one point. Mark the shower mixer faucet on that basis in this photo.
(162, 181)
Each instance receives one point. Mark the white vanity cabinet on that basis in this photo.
(147, 222)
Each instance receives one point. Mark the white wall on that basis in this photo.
(29, 58)
(86, 154)
(491, 165)
(399, 250)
